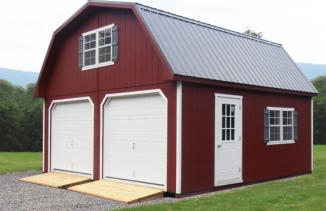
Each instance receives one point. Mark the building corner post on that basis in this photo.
(179, 138)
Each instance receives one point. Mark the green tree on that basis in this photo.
(320, 110)
(20, 118)
(253, 33)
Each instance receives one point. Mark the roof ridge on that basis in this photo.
(203, 24)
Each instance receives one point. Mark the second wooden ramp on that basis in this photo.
(118, 191)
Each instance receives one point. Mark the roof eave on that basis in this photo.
(226, 84)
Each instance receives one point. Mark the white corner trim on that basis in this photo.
(126, 94)
(49, 126)
(179, 138)
(43, 137)
(312, 134)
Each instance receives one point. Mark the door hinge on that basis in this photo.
(239, 169)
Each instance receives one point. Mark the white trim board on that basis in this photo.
(126, 94)
(229, 182)
(49, 128)
(312, 133)
(228, 96)
(179, 138)
(43, 137)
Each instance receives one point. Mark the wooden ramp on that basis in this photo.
(119, 191)
(56, 180)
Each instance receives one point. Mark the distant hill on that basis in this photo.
(22, 78)
(18, 77)
(312, 70)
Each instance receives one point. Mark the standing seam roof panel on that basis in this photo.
(200, 50)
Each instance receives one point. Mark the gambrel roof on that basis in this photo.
(203, 51)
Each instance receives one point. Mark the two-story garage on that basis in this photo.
(134, 93)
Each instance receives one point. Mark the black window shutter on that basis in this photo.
(81, 52)
(115, 43)
(266, 126)
(295, 125)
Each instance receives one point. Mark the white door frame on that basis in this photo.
(127, 94)
(240, 98)
(49, 130)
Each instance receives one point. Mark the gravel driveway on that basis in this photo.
(17, 195)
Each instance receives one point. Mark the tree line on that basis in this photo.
(21, 117)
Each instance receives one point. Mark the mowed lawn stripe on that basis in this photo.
(20, 161)
(302, 193)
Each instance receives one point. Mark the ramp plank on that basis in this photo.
(119, 191)
(56, 180)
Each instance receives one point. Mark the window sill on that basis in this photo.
(97, 65)
(280, 142)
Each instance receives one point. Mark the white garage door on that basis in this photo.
(135, 138)
(72, 137)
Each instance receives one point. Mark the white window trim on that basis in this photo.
(97, 64)
(281, 109)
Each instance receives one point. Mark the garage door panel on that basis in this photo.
(119, 125)
(135, 138)
(72, 136)
(119, 147)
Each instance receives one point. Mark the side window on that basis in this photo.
(280, 125)
(98, 48)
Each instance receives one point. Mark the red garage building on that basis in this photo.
(139, 94)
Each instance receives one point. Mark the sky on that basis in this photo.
(300, 25)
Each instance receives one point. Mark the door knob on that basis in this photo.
(219, 146)
(134, 146)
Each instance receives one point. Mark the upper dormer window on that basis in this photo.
(99, 47)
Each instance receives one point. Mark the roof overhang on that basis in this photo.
(238, 86)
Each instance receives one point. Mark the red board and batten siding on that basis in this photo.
(138, 68)
(260, 161)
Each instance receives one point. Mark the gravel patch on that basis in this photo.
(17, 195)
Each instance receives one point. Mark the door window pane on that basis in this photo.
(228, 122)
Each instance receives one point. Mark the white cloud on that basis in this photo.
(27, 26)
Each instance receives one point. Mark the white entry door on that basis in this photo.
(72, 137)
(135, 138)
(228, 139)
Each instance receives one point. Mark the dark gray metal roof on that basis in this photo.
(196, 49)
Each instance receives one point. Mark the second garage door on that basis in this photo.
(135, 138)
(72, 137)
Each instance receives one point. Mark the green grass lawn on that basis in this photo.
(303, 193)
(20, 161)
